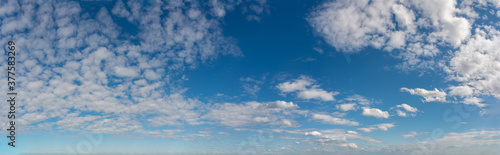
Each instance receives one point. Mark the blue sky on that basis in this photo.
(254, 77)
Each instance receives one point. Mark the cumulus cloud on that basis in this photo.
(417, 32)
(461, 91)
(474, 101)
(429, 95)
(353, 102)
(316, 93)
(374, 112)
(350, 145)
(305, 89)
(313, 133)
(281, 104)
(404, 110)
(383, 127)
(298, 84)
(412, 27)
(464, 92)
(346, 106)
(359, 99)
(475, 64)
(407, 107)
(327, 119)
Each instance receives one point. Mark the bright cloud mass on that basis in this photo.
(250, 77)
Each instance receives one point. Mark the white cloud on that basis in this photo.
(238, 115)
(79, 59)
(315, 93)
(319, 50)
(313, 133)
(34, 85)
(383, 127)
(296, 85)
(411, 134)
(261, 119)
(346, 106)
(354, 101)
(251, 86)
(401, 113)
(335, 137)
(429, 95)
(374, 112)
(407, 109)
(338, 137)
(359, 29)
(350, 33)
(287, 123)
(476, 64)
(358, 99)
(350, 145)
(338, 114)
(461, 91)
(415, 31)
(410, 28)
(327, 119)
(449, 143)
(474, 101)
(281, 104)
(125, 72)
(120, 10)
(305, 89)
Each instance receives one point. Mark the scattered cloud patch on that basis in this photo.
(239, 115)
(305, 89)
(374, 112)
(327, 119)
(411, 134)
(382, 127)
(429, 95)
(313, 133)
(405, 110)
(353, 102)
(346, 106)
(412, 28)
(251, 86)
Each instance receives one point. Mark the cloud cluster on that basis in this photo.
(418, 32)
(305, 88)
(337, 137)
(327, 119)
(353, 102)
(250, 85)
(383, 127)
(464, 93)
(404, 110)
(411, 134)
(476, 65)
(429, 95)
(101, 70)
(374, 112)
(415, 27)
(237, 115)
(450, 143)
